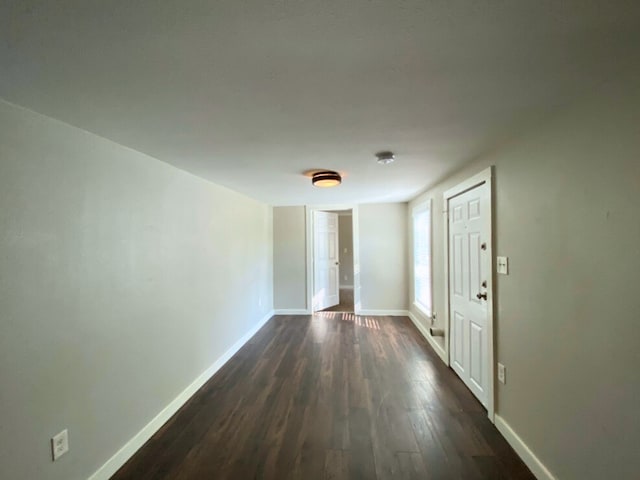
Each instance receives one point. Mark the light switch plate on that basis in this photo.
(502, 265)
(502, 374)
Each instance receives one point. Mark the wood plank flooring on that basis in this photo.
(330, 396)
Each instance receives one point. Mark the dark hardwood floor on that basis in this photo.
(332, 396)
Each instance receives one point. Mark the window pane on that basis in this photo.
(422, 259)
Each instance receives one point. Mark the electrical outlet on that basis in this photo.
(60, 444)
(502, 374)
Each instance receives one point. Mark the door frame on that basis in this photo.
(310, 233)
(484, 177)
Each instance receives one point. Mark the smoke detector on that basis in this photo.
(385, 158)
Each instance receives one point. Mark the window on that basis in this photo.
(422, 257)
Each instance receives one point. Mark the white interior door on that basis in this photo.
(469, 272)
(326, 291)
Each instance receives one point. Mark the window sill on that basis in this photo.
(422, 311)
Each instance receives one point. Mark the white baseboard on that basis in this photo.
(371, 313)
(528, 457)
(132, 446)
(384, 313)
(425, 333)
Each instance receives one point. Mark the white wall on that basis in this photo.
(567, 203)
(121, 280)
(383, 256)
(289, 258)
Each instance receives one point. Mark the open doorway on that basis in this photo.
(332, 259)
(345, 260)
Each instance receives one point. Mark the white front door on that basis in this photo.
(469, 272)
(326, 291)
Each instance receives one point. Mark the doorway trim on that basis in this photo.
(483, 177)
(310, 232)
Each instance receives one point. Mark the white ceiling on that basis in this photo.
(250, 94)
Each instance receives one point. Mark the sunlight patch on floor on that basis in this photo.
(358, 320)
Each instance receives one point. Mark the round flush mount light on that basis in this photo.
(385, 158)
(326, 179)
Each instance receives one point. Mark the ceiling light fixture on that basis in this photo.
(326, 179)
(385, 158)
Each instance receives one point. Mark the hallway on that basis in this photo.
(332, 395)
(346, 302)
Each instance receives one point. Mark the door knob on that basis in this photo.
(481, 296)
